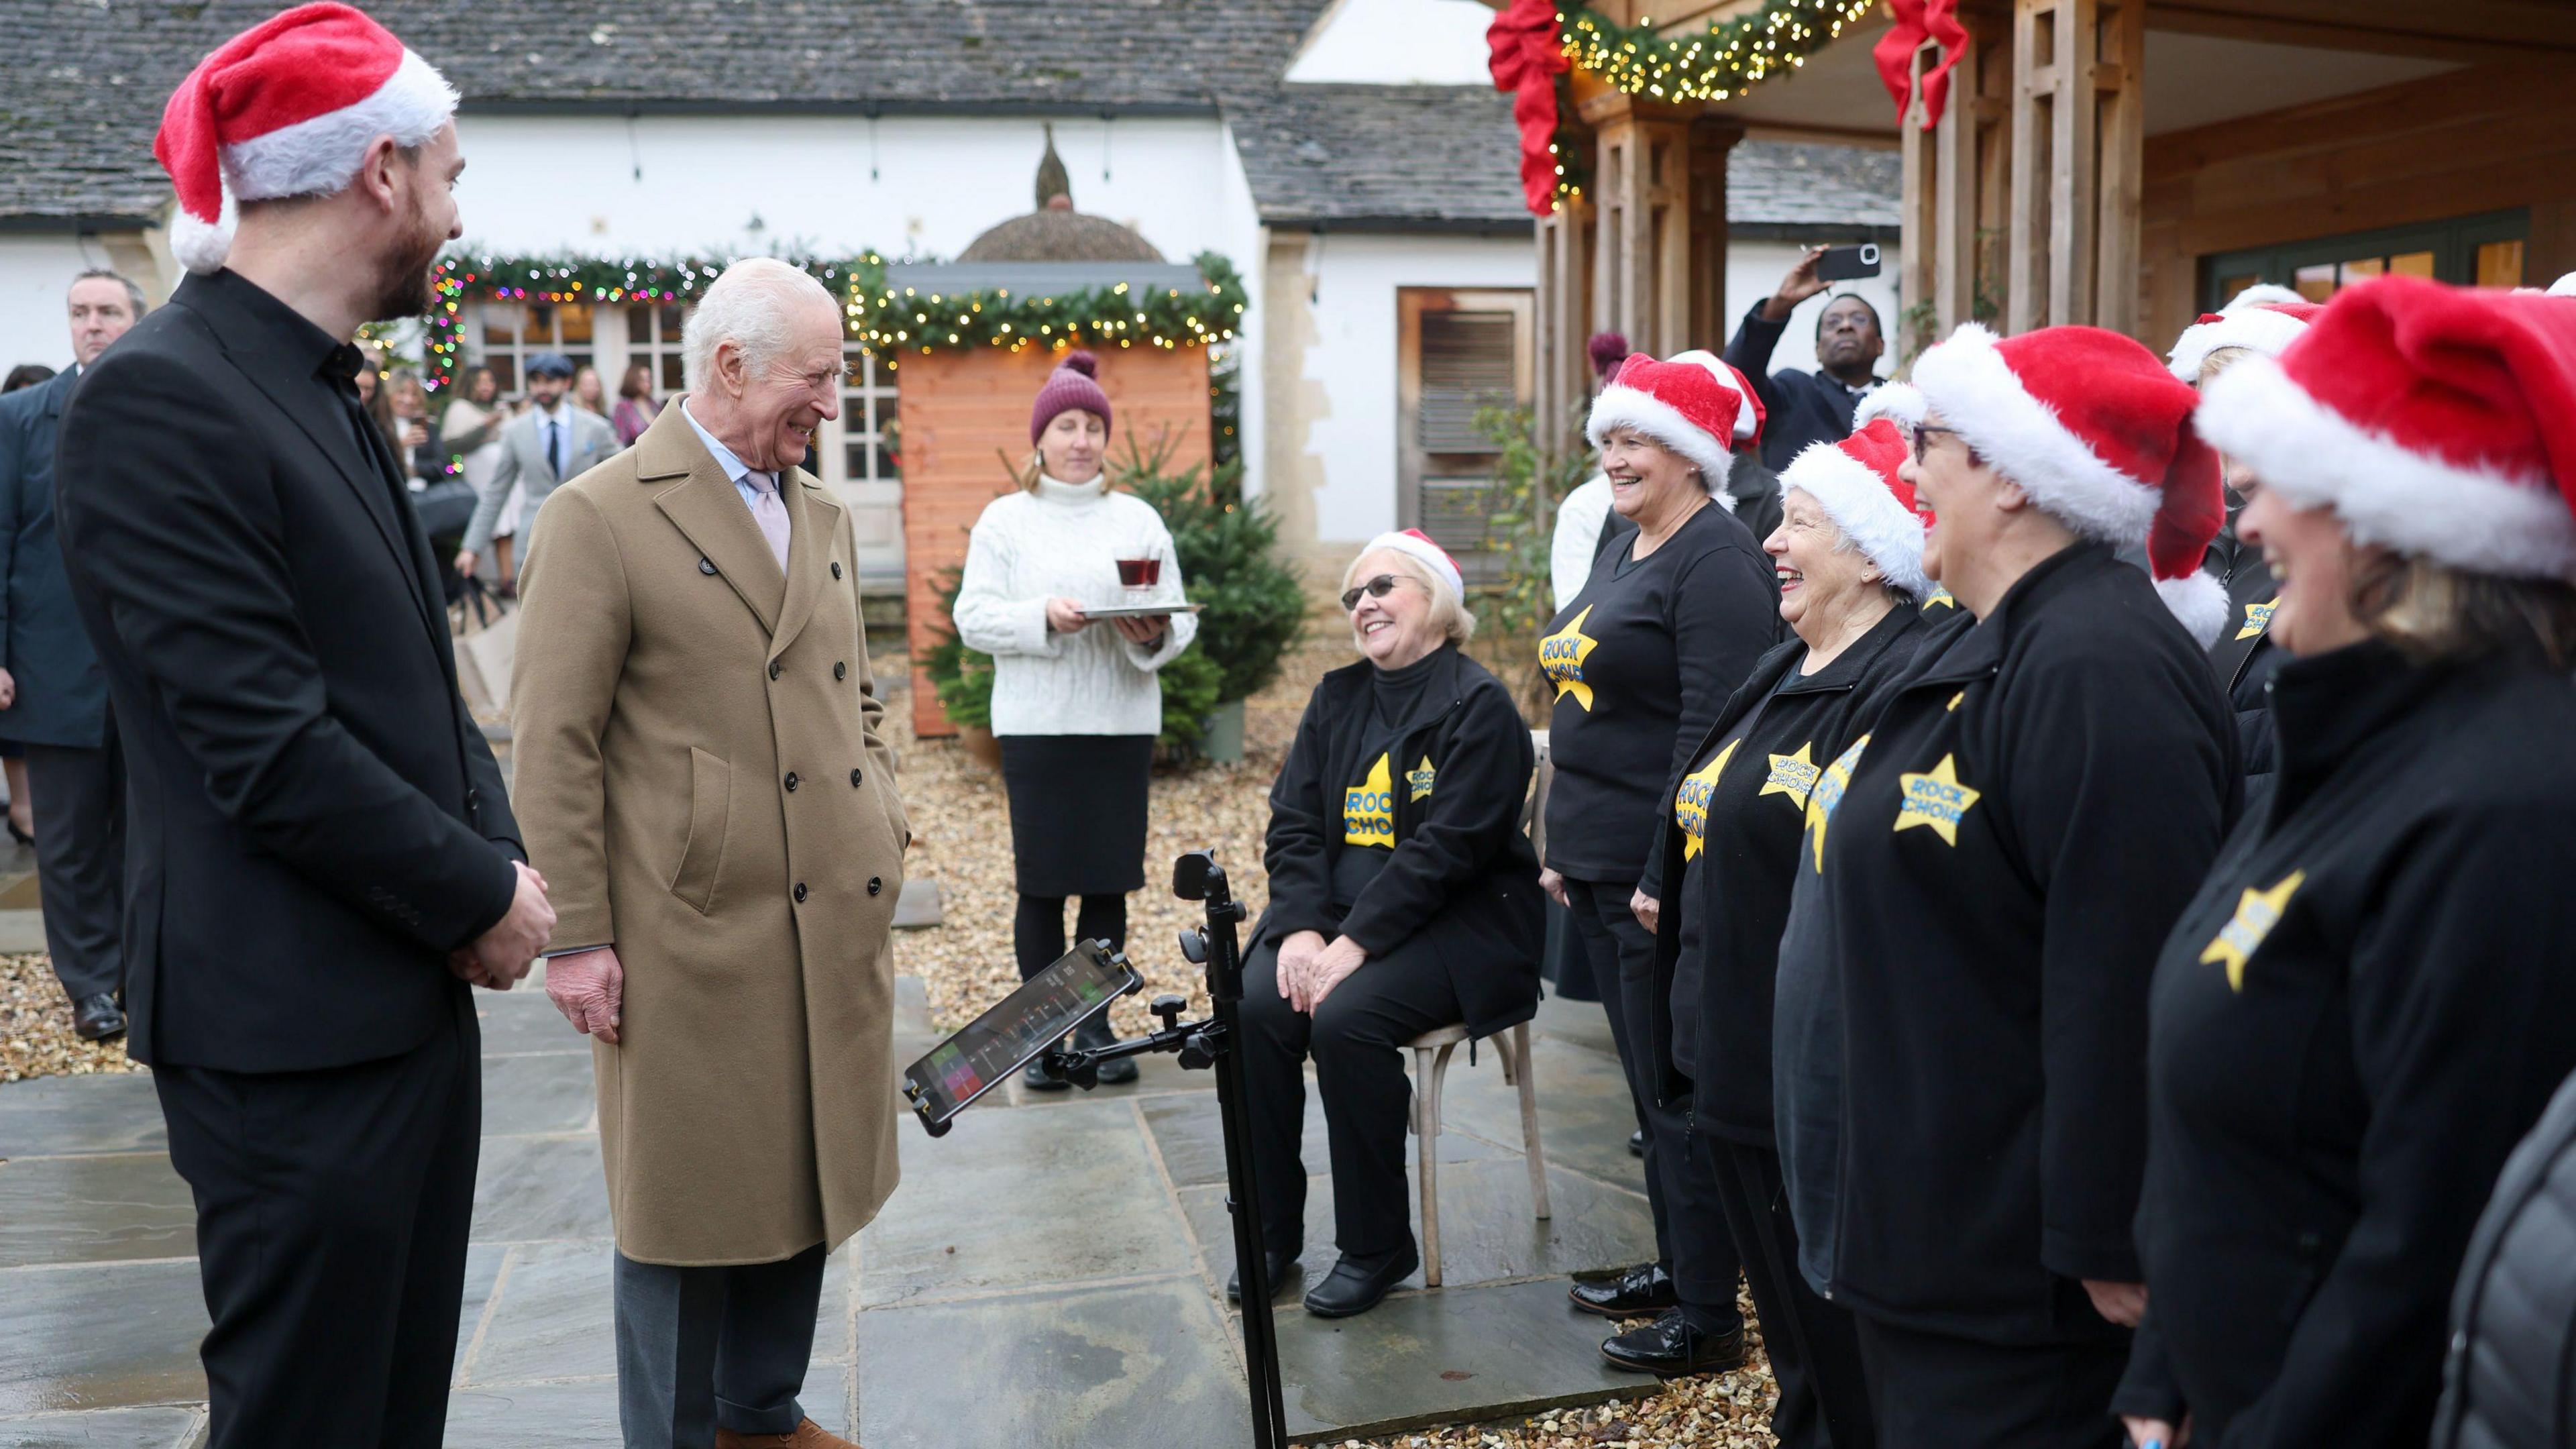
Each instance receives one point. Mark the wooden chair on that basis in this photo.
(1430, 1068)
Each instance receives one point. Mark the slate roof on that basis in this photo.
(82, 83)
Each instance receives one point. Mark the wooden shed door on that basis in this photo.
(1459, 353)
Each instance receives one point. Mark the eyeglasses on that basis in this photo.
(1376, 588)
(1924, 431)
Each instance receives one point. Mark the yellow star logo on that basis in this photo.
(1936, 799)
(1690, 803)
(2257, 912)
(1561, 656)
(2258, 617)
(1368, 809)
(1793, 776)
(1829, 793)
(1954, 700)
(1939, 598)
(1418, 780)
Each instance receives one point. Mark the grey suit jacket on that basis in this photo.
(524, 462)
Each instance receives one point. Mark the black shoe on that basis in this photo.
(1669, 1346)
(1641, 1290)
(1354, 1287)
(1035, 1079)
(1637, 1143)
(98, 1017)
(1282, 1268)
(1097, 1033)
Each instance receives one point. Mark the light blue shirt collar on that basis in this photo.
(734, 467)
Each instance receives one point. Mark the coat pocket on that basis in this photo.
(710, 808)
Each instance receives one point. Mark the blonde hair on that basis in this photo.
(1448, 614)
(2431, 611)
(2219, 360)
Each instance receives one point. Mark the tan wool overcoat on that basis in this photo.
(701, 782)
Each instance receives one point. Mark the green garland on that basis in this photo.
(885, 320)
(1716, 64)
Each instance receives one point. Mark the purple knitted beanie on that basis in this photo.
(1069, 386)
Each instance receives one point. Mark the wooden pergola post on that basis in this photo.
(1564, 317)
(1641, 224)
(2078, 145)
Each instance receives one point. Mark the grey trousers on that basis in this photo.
(703, 1347)
(79, 798)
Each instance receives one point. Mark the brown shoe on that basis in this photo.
(807, 1435)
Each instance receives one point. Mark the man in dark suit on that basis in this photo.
(53, 701)
(320, 855)
(1808, 407)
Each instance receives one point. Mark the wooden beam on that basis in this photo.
(1824, 136)
(2227, 24)
(1711, 142)
(1953, 231)
(1924, 185)
(2508, 91)
(2074, 168)
(2026, 230)
(2546, 24)
(2118, 76)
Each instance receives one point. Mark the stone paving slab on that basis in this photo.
(1190, 1134)
(554, 1318)
(540, 1189)
(161, 1428)
(523, 1095)
(521, 1022)
(107, 1112)
(94, 1210)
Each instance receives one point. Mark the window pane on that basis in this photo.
(854, 462)
(505, 372)
(540, 331)
(2316, 283)
(2500, 264)
(2360, 267)
(575, 317)
(672, 378)
(2412, 264)
(886, 471)
(639, 327)
(500, 324)
(667, 317)
(2228, 287)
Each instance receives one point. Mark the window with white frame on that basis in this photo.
(513, 332)
(870, 437)
(653, 339)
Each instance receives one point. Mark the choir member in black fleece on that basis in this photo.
(1403, 898)
(1849, 557)
(1673, 618)
(2037, 801)
(2369, 1000)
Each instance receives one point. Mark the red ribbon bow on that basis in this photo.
(1916, 22)
(1528, 55)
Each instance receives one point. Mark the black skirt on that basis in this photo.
(1077, 812)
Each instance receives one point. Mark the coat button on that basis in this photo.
(876, 884)
(855, 778)
(800, 893)
(791, 779)
(836, 569)
(707, 566)
(841, 671)
(773, 669)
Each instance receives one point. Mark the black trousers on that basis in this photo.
(1037, 928)
(699, 1348)
(1813, 1345)
(1934, 1391)
(79, 798)
(1691, 1236)
(332, 1209)
(1356, 1038)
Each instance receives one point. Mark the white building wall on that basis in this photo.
(35, 272)
(1753, 272)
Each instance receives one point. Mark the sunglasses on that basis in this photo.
(1376, 588)
(1925, 431)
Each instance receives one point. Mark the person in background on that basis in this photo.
(416, 438)
(2368, 1001)
(1403, 898)
(1583, 517)
(375, 397)
(550, 444)
(588, 393)
(25, 374)
(2038, 799)
(1808, 407)
(636, 406)
(2260, 321)
(53, 699)
(1849, 556)
(1673, 618)
(21, 819)
(1076, 706)
(470, 431)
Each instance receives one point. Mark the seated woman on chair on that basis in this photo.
(1403, 898)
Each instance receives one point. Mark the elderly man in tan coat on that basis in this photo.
(700, 777)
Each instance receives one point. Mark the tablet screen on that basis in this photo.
(1025, 1023)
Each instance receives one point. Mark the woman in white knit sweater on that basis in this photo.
(1076, 705)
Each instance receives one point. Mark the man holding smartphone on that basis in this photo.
(1811, 407)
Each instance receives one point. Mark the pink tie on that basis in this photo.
(769, 513)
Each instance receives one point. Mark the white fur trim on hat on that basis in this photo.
(1628, 407)
(1857, 500)
(2564, 287)
(2261, 294)
(1899, 402)
(2199, 601)
(2257, 329)
(1968, 382)
(1429, 554)
(320, 156)
(2471, 518)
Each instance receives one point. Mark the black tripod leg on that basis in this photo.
(1251, 1252)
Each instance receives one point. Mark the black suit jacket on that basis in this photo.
(62, 697)
(314, 821)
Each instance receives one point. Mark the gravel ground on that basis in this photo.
(36, 1038)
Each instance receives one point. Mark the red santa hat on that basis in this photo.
(2435, 419)
(1896, 400)
(288, 108)
(2259, 326)
(2093, 428)
(1416, 544)
(1856, 483)
(1691, 403)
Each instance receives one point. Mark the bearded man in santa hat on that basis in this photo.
(320, 855)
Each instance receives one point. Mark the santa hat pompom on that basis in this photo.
(2199, 602)
(1898, 402)
(1082, 362)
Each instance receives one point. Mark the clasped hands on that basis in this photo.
(499, 957)
(1310, 967)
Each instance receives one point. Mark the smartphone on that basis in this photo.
(981, 1057)
(1842, 264)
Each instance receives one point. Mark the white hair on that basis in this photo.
(748, 306)
(1448, 615)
